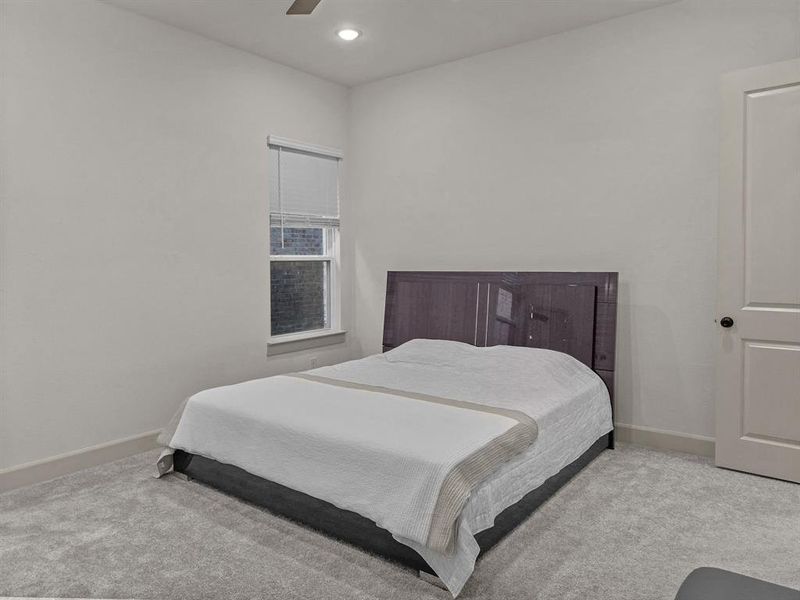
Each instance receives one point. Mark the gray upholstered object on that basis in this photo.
(707, 583)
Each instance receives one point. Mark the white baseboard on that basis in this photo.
(665, 440)
(64, 464)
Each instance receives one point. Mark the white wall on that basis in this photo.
(595, 149)
(134, 219)
(134, 200)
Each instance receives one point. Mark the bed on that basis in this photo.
(509, 374)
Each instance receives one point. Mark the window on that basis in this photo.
(304, 247)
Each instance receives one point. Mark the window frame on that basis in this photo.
(333, 332)
(332, 292)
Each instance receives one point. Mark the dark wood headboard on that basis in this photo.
(574, 313)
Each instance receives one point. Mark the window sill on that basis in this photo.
(307, 340)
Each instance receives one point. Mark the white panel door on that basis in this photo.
(758, 388)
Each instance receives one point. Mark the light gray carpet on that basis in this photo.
(630, 526)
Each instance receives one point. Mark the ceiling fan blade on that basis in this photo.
(302, 7)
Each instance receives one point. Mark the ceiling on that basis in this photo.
(398, 35)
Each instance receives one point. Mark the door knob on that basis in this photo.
(726, 322)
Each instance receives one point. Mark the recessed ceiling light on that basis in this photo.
(348, 35)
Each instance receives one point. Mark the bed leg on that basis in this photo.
(611, 440)
(431, 579)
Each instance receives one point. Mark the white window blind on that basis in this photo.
(304, 188)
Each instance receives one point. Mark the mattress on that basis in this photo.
(566, 399)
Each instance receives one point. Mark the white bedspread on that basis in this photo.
(259, 422)
(408, 462)
(569, 402)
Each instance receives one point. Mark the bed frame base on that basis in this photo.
(350, 527)
(181, 476)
